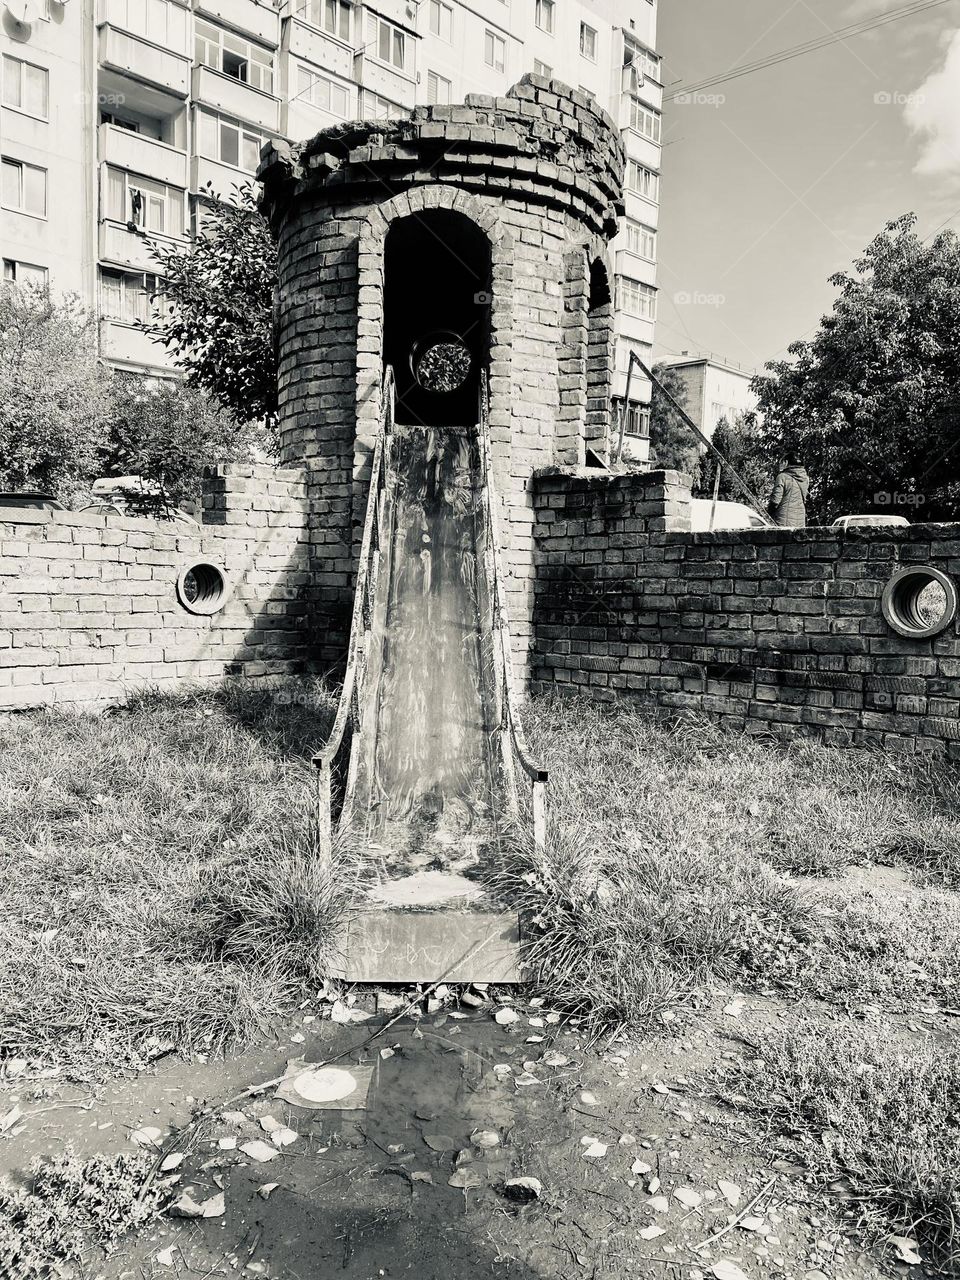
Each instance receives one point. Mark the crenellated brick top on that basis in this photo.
(542, 141)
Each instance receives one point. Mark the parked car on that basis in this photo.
(132, 496)
(728, 515)
(847, 522)
(31, 500)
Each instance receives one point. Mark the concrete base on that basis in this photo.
(425, 928)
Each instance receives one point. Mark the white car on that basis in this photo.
(728, 515)
(846, 522)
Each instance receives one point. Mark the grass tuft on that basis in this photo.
(863, 1110)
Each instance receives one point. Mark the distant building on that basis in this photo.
(118, 116)
(716, 388)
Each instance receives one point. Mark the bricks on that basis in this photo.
(772, 659)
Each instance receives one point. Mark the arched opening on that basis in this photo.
(599, 358)
(436, 315)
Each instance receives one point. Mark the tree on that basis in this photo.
(54, 394)
(166, 432)
(672, 443)
(872, 401)
(745, 447)
(216, 315)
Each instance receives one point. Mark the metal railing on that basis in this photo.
(513, 743)
(350, 707)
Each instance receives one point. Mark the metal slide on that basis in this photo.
(436, 745)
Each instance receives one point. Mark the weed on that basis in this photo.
(71, 1205)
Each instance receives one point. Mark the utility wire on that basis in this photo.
(810, 46)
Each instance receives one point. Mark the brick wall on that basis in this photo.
(88, 603)
(769, 630)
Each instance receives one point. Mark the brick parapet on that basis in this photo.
(775, 631)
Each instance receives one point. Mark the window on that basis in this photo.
(541, 69)
(329, 15)
(129, 296)
(645, 120)
(642, 240)
(377, 108)
(24, 273)
(588, 42)
(158, 21)
(109, 117)
(386, 42)
(545, 12)
(441, 20)
(494, 51)
(229, 141)
(637, 420)
(438, 88)
(25, 87)
(233, 56)
(150, 205)
(643, 181)
(637, 299)
(323, 93)
(642, 60)
(23, 188)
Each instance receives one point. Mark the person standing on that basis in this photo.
(788, 500)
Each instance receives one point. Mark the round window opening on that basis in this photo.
(441, 362)
(202, 588)
(919, 602)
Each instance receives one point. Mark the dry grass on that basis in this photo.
(666, 858)
(861, 1109)
(161, 883)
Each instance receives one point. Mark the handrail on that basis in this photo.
(511, 727)
(348, 706)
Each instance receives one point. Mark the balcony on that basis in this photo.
(258, 20)
(122, 344)
(122, 247)
(133, 56)
(628, 263)
(377, 77)
(318, 48)
(223, 177)
(139, 154)
(235, 98)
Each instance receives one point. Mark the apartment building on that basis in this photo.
(716, 388)
(119, 117)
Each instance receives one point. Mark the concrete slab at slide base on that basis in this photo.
(424, 946)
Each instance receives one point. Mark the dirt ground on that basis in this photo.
(639, 1167)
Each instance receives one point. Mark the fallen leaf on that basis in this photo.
(441, 1142)
(269, 1123)
(638, 1166)
(658, 1087)
(234, 1117)
(463, 1179)
(486, 1138)
(146, 1137)
(342, 1013)
(421, 1177)
(593, 1150)
(283, 1136)
(525, 1079)
(506, 1016)
(227, 1144)
(906, 1249)
(589, 1099)
(173, 1161)
(386, 1053)
(554, 1059)
(752, 1223)
(260, 1151)
(730, 1192)
(523, 1190)
(727, 1270)
(265, 1188)
(651, 1233)
(502, 1070)
(186, 1207)
(12, 1116)
(165, 1256)
(692, 1199)
(733, 1009)
(659, 1204)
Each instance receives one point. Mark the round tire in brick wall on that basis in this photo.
(202, 587)
(919, 602)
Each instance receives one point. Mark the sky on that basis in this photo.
(774, 181)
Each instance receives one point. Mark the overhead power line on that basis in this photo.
(809, 46)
